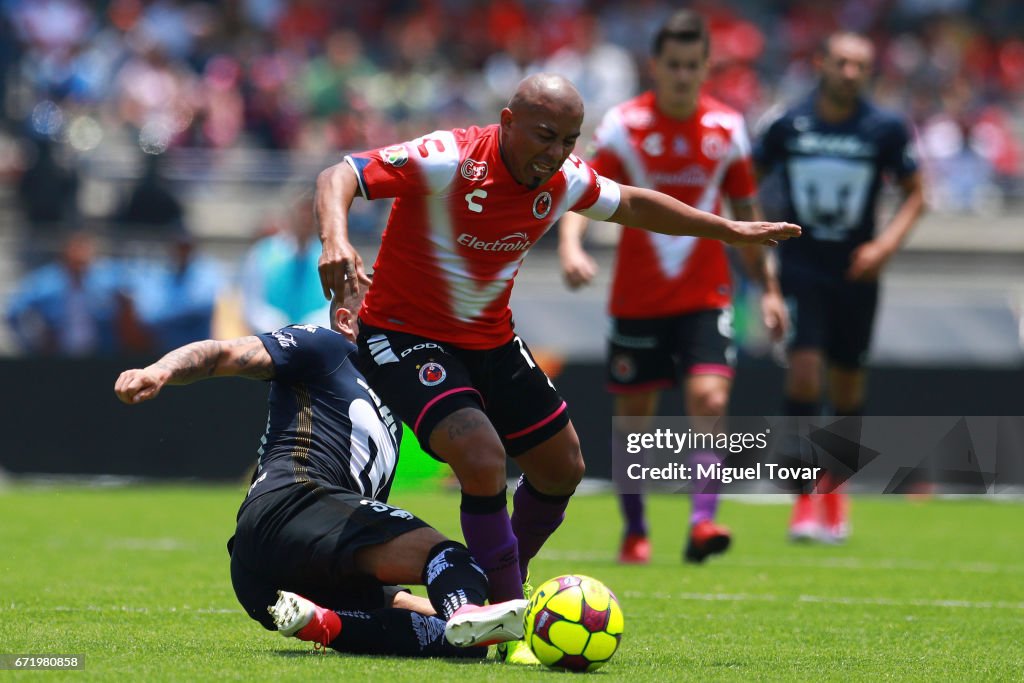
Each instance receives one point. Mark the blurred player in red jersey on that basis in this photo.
(436, 336)
(670, 300)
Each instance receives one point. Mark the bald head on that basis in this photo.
(539, 128)
(547, 91)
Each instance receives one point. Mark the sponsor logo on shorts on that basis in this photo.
(623, 368)
(542, 205)
(378, 506)
(396, 156)
(420, 347)
(432, 374)
(474, 170)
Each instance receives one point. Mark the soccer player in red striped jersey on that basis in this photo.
(671, 296)
(436, 338)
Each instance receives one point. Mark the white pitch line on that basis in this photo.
(12, 607)
(837, 600)
(881, 564)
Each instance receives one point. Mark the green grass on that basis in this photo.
(136, 579)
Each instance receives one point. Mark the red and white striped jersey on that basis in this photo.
(458, 231)
(696, 161)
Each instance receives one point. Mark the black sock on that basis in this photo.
(453, 579)
(802, 408)
(791, 451)
(401, 632)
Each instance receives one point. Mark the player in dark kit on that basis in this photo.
(317, 549)
(832, 153)
(437, 340)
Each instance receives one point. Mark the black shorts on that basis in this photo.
(304, 540)
(836, 317)
(647, 354)
(424, 381)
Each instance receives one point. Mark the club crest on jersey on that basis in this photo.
(396, 156)
(432, 374)
(542, 205)
(474, 170)
(714, 146)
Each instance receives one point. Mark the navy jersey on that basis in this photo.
(325, 425)
(830, 176)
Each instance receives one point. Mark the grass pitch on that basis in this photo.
(136, 579)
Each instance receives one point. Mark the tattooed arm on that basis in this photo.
(242, 357)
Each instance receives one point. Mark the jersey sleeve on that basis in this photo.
(425, 165)
(304, 352)
(602, 152)
(590, 194)
(769, 150)
(900, 158)
(740, 181)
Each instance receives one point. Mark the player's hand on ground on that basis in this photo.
(774, 315)
(763, 232)
(136, 386)
(867, 261)
(578, 268)
(340, 266)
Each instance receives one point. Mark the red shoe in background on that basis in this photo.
(636, 549)
(706, 538)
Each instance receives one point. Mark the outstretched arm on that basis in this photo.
(760, 268)
(340, 264)
(242, 357)
(658, 212)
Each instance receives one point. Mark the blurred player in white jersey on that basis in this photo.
(670, 300)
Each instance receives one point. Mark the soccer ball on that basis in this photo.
(573, 622)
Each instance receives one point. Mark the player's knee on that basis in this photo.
(803, 386)
(566, 471)
(480, 471)
(712, 403)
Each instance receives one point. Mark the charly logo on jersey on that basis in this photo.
(474, 170)
(714, 146)
(653, 144)
(396, 155)
(542, 205)
(517, 241)
(432, 374)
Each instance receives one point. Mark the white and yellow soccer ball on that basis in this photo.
(573, 622)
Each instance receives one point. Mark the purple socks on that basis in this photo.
(535, 516)
(704, 495)
(488, 533)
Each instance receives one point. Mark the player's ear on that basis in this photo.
(506, 118)
(345, 322)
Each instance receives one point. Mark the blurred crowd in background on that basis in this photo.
(189, 84)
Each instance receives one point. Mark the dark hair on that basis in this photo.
(685, 26)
